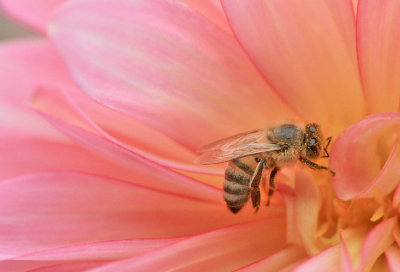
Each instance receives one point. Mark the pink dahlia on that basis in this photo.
(101, 117)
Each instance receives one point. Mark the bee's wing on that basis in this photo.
(236, 146)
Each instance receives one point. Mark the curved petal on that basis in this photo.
(278, 261)
(80, 110)
(166, 66)
(70, 267)
(101, 251)
(307, 51)
(56, 209)
(225, 249)
(146, 172)
(396, 235)
(366, 157)
(355, 6)
(25, 64)
(327, 260)
(393, 258)
(211, 10)
(307, 204)
(377, 242)
(21, 75)
(24, 155)
(377, 45)
(34, 13)
(396, 197)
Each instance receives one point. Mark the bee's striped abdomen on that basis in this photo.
(236, 185)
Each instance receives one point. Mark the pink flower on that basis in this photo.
(111, 185)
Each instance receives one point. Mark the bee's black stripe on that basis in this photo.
(235, 188)
(243, 166)
(235, 200)
(237, 177)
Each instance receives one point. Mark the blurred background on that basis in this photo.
(9, 29)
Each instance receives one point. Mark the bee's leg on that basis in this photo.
(255, 185)
(313, 165)
(271, 189)
(264, 182)
(329, 139)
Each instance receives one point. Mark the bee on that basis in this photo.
(250, 153)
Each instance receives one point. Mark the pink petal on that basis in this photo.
(307, 51)
(352, 239)
(70, 267)
(20, 69)
(35, 14)
(347, 264)
(100, 251)
(355, 6)
(377, 241)
(211, 10)
(396, 197)
(278, 261)
(396, 236)
(307, 203)
(72, 106)
(393, 258)
(21, 74)
(166, 66)
(366, 157)
(107, 250)
(24, 155)
(48, 210)
(327, 260)
(377, 45)
(146, 172)
(225, 249)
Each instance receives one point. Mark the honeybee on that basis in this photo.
(252, 152)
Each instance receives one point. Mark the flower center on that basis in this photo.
(337, 215)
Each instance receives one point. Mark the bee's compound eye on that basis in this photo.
(257, 159)
(312, 142)
(312, 128)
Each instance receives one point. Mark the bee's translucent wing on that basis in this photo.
(236, 146)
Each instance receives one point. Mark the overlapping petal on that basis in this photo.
(224, 249)
(393, 258)
(377, 241)
(20, 72)
(307, 51)
(99, 252)
(21, 156)
(379, 58)
(54, 209)
(366, 157)
(303, 203)
(146, 172)
(124, 131)
(279, 261)
(21, 76)
(327, 260)
(172, 76)
(211, 10)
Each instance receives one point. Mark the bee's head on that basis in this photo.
(312, 141)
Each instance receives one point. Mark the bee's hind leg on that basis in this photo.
(272, 187)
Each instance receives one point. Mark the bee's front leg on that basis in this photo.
(315, 166)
